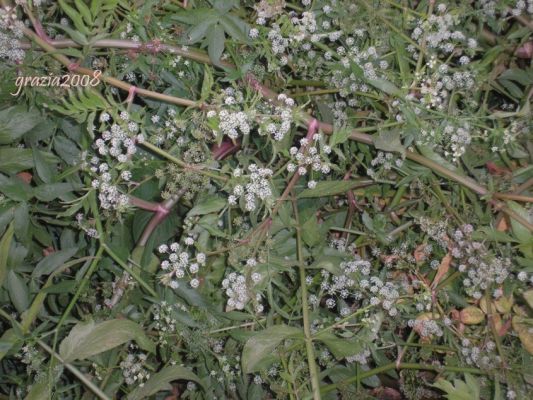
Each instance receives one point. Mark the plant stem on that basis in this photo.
(129, 270)
(315, 384)
(67, 365)
(76, 372)
(182, 164)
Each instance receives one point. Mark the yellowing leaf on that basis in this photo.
(472, 316)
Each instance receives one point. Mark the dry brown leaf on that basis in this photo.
(442, 270)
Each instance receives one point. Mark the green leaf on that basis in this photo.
(328, 188)
(5, 244)
(39, 391)
(518, 75)
(84, 11)
(311, 234)
(18, 291)
(210, 205)
(235, 27)
(460, 390)
(161, 381)
(385, 86)
(43, 168)
(341, 347)
(520, 231)
(427, 152)
(8, 339)
(90, 338)
(340, 136)
(51, 191)
(51, 262)
(263, 343)
(389, 141)
(75, 17)
(215, 43)
(16, 121)
(199, 31)
(15, 188)
(207, 83)
(14, 160)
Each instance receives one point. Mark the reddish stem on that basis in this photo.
(225, 149)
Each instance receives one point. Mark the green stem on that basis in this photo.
(67, 365)
(313, 371)
(182, 164)
(129, 270)
(76, 372)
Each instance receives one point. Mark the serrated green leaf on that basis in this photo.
(75, 17)
(209, 205)
(14, 160)
(84, 11)
(42, 166)
(74, 34)
(389, 141)
(263, 343)
(161, 381)
(51, 191)
(216, 39)
(88, 339)
(340, 136)
(15, 188)
(16, 121)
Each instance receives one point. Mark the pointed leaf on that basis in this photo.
(90, 338)
(263, 343)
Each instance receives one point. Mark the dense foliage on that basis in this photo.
(237, 199)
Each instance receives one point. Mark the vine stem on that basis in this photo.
(313, 371)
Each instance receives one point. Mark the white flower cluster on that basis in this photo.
(133, 369)
(180, 263)
(83, 225)
(164, 321)
(438, 31)
(256, 189)
(459, 139)
(368, 60)
(360, 358)
(483, 357)
(117, 141)
(109, 194)
(232, 120)
(277, 118)
(355, 282)
(426, 327)
(11, 30)
(312, 154)
(385, 161)
(239, 293)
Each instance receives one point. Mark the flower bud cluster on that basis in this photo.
(180, 264)
(252, 188)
